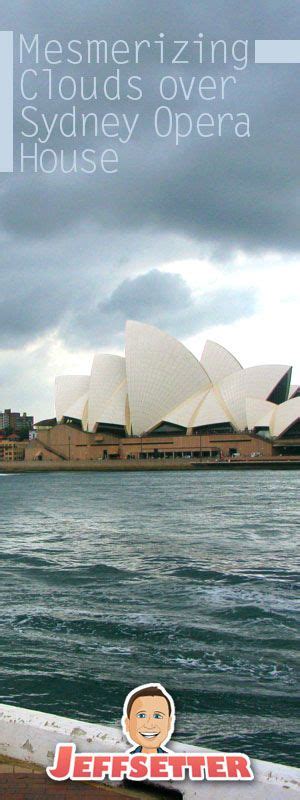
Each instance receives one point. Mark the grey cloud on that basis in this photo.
(224, 193)
(45, 287)
(163, 299)
(71, 246)
(34, 313)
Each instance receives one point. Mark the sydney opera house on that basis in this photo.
(159, 399)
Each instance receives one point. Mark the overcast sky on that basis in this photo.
(202, 239)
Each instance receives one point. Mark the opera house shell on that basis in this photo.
(160, 386)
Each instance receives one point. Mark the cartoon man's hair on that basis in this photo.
(148, 690)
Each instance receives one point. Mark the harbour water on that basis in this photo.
(111, 580)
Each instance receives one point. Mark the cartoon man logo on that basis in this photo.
(148, 718)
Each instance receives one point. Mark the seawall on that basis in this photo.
(30, 738)
(153, 465)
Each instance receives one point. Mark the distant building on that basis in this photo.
(11, 450)
(67, 442)
(45, 424)
(14, 422)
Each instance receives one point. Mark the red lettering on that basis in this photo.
(196, 766)
(119, 767)
(239, 768)
(101, 766)
(158, 767)
(138, 768)
(88, 766)
(62, 760)
(178, 765)
(82, 767)
(215, 767)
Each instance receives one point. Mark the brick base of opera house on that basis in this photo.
(65, 443)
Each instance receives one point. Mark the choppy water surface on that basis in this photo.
(111, 580)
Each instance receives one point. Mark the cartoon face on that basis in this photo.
(149, 721)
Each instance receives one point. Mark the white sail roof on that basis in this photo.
(294, 390)
(159, 380)
(69, 389)
(258, 382)
(218, 362)
(107, 392)
(161, 374)
(285, 416)
(77, 409)
(259, 413)
(212, 411)
(184, 413)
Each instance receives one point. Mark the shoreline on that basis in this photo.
(155, 465)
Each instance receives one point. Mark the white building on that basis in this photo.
(161, 386)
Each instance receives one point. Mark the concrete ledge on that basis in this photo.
(153, 465)
(31, 736)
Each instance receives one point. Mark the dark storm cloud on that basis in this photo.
(47, 288)
(225, 192)
(163, 299)
(70, 241)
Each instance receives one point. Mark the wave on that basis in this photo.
(49, 570)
